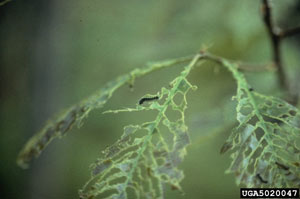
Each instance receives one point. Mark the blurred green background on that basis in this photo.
(55, 53)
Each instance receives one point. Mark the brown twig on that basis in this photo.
(275, 38)
(276, 35)
(246, 67)
(290, 32)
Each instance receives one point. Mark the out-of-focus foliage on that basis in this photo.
(4, 2)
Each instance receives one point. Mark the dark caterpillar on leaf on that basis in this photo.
(144, 99)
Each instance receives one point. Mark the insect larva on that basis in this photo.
(261, 179)
(144, 99)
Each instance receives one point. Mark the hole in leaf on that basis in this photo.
(259, 133)
(279, 105)
(173, 115)
(138, 181)
(101, 166)
(267, 156)
(164, 177)
(141, 173)
(276, 131)
(250, 167)
(178, 99)
(131, 192)
(117, 180)
(292, 112)
(279, 142)
(246, 110)
(155, 138)
(166, 134)
(272, 120)
(248, 151)
(297, 164)
(154, 191)
(122, 154)
(112, 171)
(264, 143)
(104, 194)
(284, 116)
(268, 103)
(141, 133)
(253, 120)
(258, 152)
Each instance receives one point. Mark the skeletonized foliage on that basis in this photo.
(145, 159)
(266, 144)
(60, 125)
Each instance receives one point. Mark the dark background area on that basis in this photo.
(55, 53)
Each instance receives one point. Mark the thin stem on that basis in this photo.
(274, 34)
(290, 32)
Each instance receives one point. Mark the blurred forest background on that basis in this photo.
(55, 53)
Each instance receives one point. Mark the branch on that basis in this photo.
(274, 34)
(290, 32)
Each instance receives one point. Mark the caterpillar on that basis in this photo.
(261, 179)
(144, 99)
